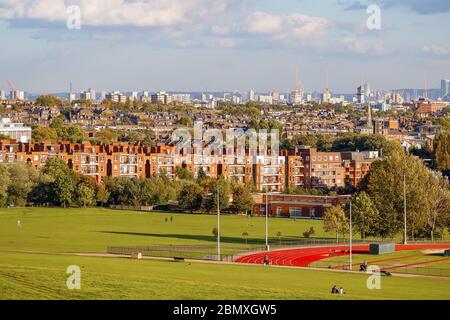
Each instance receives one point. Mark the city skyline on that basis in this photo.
(223, 45)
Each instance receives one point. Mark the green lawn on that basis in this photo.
(93, 229)
(426, 264)
(37, 276)
(26, 275)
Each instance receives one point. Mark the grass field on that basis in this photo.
(93, 229)
(26, 275)
(413, 262)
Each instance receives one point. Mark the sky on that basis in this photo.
(222, 45)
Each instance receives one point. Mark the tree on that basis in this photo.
(4, 183)
(183, 174)
(74, 134)
(219, 188)
(105, 136)
(102, 195)
(158, 190)
(85, 195)
(24, 177)
(242, 198)
(63, 182)
(441, 147)
(190, 197)
(124, 191)
(41, 134)
(384, 184)
(335, 221)
(48, 101)
(438, 215)
(365, 215)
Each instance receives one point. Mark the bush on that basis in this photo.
(311, 232)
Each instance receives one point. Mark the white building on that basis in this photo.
(161, 97)
(265, 99)
(445, 89)
(134, 96)
(85, 95)
(2, 95)
(184, 98)
(72, 96)
(102, 95)
(361, 94)
(15, 131)
(144, 97)
(326, 96)
(297, 96)
(17, 95)
(251, 95)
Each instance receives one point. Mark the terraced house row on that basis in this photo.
(300, 167)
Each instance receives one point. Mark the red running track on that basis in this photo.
(303, 257)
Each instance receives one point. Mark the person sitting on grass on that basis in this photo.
(341, 291)
(334, 290)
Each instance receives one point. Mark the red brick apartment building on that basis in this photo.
(295, 206)
(304, 167)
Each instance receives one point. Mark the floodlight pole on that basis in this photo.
(351, 237)
(267, 220)
(218, 224)
(405, 240)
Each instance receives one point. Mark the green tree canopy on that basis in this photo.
(190, 197)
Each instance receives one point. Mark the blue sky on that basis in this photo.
(222, 44)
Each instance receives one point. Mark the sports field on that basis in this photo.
(35, 255)
(422, 259)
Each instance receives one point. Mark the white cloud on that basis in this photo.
(138, 13)
(360, 45)
(261, 22)
(294, 28)
(438, 50)
(209, 23)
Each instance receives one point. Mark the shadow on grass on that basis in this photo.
(223, 239)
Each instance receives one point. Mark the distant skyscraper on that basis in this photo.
(445, 89)
(85, 95)
(72, 96)
(2, 95)
(134, 96)
(93, 94)
(361, 96)
(367, 90)
(251, 95)
(326, 96)
(298, 92)
(297, 96)
(103, 95)
(17, 95)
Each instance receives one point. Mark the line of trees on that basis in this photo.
(378, 205)
(56, 185)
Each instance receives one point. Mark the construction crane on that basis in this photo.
(13, 88)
